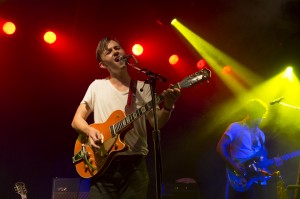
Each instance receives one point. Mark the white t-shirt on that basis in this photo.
(244, 143)
(103, 99)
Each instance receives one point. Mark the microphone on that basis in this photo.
(123, 58)
(276, 101)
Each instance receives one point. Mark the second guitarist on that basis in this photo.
(127, 175)
(241, 141)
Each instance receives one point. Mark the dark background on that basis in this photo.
(42, 85)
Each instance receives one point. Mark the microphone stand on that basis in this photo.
(288, 105)
(152, 79)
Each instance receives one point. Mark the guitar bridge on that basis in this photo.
(83, 155)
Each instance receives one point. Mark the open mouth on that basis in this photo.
(117, 59)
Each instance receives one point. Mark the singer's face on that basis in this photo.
(113, 51)
(255, 121)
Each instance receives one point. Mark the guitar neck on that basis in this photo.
(290, 155)
(189, 81)
(285, 157)
(21, 189)
(129, 119)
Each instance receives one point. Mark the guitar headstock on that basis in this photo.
(193, 79)
(20, 188)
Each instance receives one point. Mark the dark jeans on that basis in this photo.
(255, 192)
(126, 177)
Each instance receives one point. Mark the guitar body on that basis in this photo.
(256, 170)
(89, 161)
(243, 182)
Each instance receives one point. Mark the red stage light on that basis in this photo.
(201, 64)
(173, 59)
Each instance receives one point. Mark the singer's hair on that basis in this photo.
(102, 46)
(256, 108)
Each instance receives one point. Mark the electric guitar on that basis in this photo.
(256, 170)
(90, 161)
(21, 189)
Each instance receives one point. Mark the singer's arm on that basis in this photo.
(163, 114)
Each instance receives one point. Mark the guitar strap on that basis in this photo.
(131, 96)
(261, 142)
(255, 143)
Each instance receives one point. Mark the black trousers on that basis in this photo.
(256, 191)
(126, 177)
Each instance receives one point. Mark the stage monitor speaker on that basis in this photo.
(186, 191)
(70, 188)
(179, 190)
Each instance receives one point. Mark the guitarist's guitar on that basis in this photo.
(89, 161)
(21, 189)
(256, 170)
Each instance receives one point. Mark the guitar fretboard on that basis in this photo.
(290, 155)
(191, 80)
(129, 119)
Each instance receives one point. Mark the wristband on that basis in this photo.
(169, 109)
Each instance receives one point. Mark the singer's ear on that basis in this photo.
(102, 65)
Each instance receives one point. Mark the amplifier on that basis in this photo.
(70, 188)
